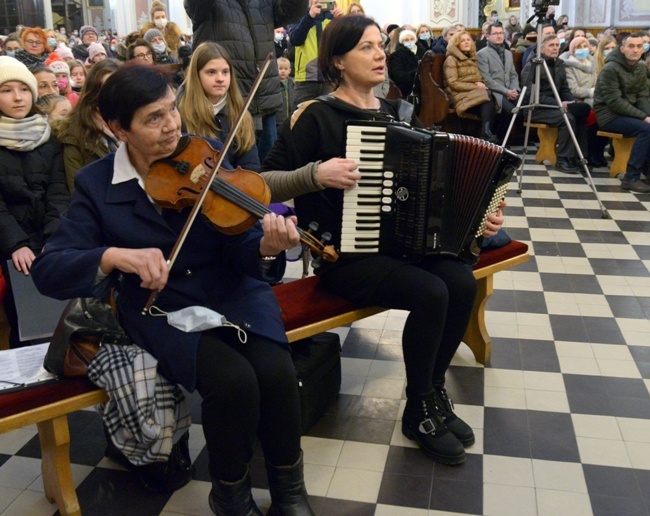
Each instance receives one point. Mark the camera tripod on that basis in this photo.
(540, 65)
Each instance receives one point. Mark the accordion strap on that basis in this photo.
(404, 109)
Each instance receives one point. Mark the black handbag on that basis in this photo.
(85, 324)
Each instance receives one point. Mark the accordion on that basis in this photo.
(421, 193)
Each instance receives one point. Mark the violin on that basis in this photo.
(237, 198)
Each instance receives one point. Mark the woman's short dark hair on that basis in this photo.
(340, 36)
(131, 87)
(130, 50)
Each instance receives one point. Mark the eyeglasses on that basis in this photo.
(497, 33)
(147, 56)
(34, 43)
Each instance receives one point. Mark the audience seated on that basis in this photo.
(512, 27)
(403, 64)
(440, 43)
(424, 41)
(577, 113)
(605, 47)
(88, 35)
(527, 40)
(622, 106)
(531, 51)
(35, 49)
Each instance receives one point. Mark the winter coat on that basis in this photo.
(305, 38)
(581, 76)
(461, 75)
(33, 195)
(171, 32)
(80, 51)
(523, 45)
(77, 155)
(621, 90)
(499, 77)
(439, 46)
(245, 28)
(558, 73)
(423, 47)
(402, 67)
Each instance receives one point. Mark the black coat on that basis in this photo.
(33, 195)
(245, 28)
(402, 69)
(423, 47)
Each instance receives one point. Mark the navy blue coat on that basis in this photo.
(214, 270)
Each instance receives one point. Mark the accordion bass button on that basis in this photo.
(389, 175)
(386, 191)
(388, 183)
(386, 209)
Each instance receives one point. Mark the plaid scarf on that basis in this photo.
(145, 413)
(29, 60)
(24, 134)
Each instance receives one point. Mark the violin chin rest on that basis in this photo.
(182, 145)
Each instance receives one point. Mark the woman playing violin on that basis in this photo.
(113, 232)
(437, 291)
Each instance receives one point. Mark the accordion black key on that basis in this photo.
(421, 192)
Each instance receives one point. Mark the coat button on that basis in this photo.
(188, 272)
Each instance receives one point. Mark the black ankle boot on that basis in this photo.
(288, 492)
(233, 498)
(456, 425)
(422, 423)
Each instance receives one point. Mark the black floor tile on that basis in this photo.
(506, 432)
(465, 385)
(506, 354)
(4, 458)
(377, 408)
(470, 471)
(606, 484)
(518, 233)
(405, 490)
(109, 491)
(610, 505)
(601, 237)
(552, 437)
(457, 496)
(501, 301)
(643, 251)
(568, 328)
(643, 478)
(530, 302)
(408, 461)
(539, 355)
(626, 306)
(370, 430)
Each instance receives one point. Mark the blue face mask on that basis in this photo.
(646, 47)
(582, 53)
(607, 52)
(11, 53)
(51, 42)
(409, 44)
(561, 41)
(425, 37)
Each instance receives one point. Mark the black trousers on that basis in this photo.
(439, 294)
(249, 390)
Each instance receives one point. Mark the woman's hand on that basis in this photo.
(149, 264)
(279, 234)
(23, 259)
(338, 173)
(481, 85)
(494, 222)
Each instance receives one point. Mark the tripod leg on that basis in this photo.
(520, 172)
(583, 161)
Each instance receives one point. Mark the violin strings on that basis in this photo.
(242, 200)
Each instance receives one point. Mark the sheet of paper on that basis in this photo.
(23, 366)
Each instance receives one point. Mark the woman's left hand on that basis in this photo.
(494, 222)
(279, 234)
(22, 259)
(481, 86)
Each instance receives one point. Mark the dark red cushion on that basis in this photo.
(491, 256)
(36, 396)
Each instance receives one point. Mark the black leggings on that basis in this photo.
(438, 292)
(486, 111)
(248, 390)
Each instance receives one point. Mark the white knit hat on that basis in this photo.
(13, 70)
(406, 32)
(59, 67)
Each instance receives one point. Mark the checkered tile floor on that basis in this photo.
(562, 413)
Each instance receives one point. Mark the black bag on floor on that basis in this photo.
(318, 367)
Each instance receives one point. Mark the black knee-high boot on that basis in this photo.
(288, 492)
(233, 498)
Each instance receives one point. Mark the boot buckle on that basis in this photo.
(427, 426)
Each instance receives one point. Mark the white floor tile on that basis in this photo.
(500, 500)
(511, 471)
(603, 452)
(319, 451)
(552, 503)
(355, 484)
(366, 456)
(598, 427)
(639, 454)
(559, 476)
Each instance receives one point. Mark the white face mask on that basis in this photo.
(278, 38)
(159, 47)
(197, 318)
(409, 44)
(161, 23)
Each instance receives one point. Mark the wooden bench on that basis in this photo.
(306, 311)
(547, 141)
(622, 150)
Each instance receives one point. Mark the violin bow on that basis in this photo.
(199, 202)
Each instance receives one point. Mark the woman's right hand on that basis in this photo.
(481, 85)
(149, 264)
(338, 173)
(22, 259)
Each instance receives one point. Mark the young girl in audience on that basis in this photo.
(33, 193)
(209, 101)
(56, 107)
(62, 73)
(77, 75)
